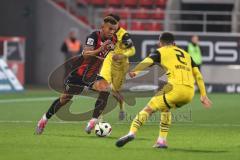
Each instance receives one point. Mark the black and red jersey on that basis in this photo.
(91, 65)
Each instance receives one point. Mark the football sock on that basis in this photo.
(120, 101)
(56, 105)
(121, 105)
(100, 104)
(165, 122)
(138, 121)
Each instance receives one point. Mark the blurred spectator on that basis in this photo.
(195, 51)
(71, 47)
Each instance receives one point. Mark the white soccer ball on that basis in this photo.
(103, 129)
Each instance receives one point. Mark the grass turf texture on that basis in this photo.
(196, 133)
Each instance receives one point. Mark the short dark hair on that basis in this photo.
(115, 16)
(167, 38)
(110, 19)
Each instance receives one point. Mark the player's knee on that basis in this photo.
(102, 86)
(148, 109)
(65, 98)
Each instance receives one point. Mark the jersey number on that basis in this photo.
(180, 56)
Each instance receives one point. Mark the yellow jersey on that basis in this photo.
(124, 45)
(178, 64)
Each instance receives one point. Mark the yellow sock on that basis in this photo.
(138, 121)
(165, 122)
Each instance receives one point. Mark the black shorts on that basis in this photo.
(75, 84)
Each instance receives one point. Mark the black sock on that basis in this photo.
(56, 105)
(100, 104)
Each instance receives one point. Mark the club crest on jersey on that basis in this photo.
(90, 41)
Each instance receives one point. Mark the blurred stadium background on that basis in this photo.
(31, 35)
(33, 31)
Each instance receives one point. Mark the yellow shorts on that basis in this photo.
(114, 72)
(177, 97)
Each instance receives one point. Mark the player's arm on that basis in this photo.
(127, 41)
(89, 51)
(147, 62)
(91, 43)
(128, 44)
(200, 82)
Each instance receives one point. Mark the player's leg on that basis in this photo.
(118, 78)
(103, 87)
(165, 123)
(73, 86)
(105, 73)
(138, 121)
(118, 96)
(117, 83)
(179, 96)
(155, 104)
(55, 106)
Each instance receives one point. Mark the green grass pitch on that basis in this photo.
(196, 133)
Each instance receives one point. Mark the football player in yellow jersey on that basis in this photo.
(116, 64)
(181, 73)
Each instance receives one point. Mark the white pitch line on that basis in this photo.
(33, 99)
(194, 124)
(55, 122)
(181, 124)
(27, 100)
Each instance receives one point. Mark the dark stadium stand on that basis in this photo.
(218, 15)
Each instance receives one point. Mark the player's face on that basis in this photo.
(109, 29)
(160, 44)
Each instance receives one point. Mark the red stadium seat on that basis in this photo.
(153, 26)
(158, 14)
(108, 11)
(98, 2)
(137, 25)
(130, 3)
(124, 13)
(87, 1)
(114, 2)
(146, 3)
(62, 4)
(141, 14)
(83, 19)
(82, 2)
(123, 24)
(161, 3)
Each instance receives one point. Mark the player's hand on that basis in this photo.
(117, 57)
(207, 103)
(132, 74)
(107, 45)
